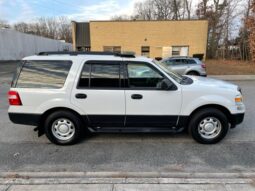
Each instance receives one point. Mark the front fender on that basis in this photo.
(188, 108)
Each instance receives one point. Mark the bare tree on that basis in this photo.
(187, 7)
(145, 10)
(65, 29)
(4, 24)
(22, 27)
(159, 10)
(214, 13)
(58, 28)
(250, 23)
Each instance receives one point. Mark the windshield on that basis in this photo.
(177, 77)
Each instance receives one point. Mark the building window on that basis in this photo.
(116, 49)
(85, 48)
(180, 51)
(145, 51)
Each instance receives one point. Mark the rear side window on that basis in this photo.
(100, 75)
(43, 74)
(190, 61)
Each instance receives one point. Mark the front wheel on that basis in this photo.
(63, 128)
(208, 126)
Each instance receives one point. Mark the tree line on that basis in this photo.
(58, 28)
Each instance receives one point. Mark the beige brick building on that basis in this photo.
(148, 38)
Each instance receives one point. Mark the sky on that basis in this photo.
(14, 11)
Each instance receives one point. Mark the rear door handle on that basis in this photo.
(81, 96)
(136, 96)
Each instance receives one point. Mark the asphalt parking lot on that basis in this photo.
(22, 150)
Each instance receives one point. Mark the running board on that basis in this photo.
(135, 130)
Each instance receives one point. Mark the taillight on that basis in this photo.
(14, 98)
(203, 66)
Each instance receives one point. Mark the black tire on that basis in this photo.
(71, 118)
(193, 73)
(202, 115)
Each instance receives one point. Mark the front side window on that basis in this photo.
(100, 75)
(141, 75)
(43, 74)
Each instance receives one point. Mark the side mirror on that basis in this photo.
(166, 85)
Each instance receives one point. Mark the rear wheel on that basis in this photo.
(208, 126)
(63, 128)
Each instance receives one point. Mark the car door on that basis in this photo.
(146, 105)
(180, 66)
(99, 93)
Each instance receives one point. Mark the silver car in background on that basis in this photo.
(185, 65)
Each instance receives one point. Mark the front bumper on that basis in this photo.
(236, 119)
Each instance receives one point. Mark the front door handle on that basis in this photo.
(136, 96)
(81, 96)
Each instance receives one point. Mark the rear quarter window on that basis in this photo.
(191, 61)
(42, 74)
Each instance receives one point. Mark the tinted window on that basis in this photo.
(100, 76)
(169, 62)
(190, 61)
(180, 61)
(43, 74)
(142, 75)
(85, 75)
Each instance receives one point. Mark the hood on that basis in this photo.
(211, 82)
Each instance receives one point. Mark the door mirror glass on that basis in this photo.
(166, 85)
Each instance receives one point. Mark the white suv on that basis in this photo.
(67, 93)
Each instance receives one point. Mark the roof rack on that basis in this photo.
(76, 53)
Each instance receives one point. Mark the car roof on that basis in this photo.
(87, 57)
(180, 57)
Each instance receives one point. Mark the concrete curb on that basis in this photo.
(54, 178)
(26, 175)
(55, 181)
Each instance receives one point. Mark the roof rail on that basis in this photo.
(76, 53)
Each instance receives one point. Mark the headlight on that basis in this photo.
(239, 99)
(239, 102)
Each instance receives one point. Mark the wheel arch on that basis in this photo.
(215, 106)
(193, 71)
(52, 110)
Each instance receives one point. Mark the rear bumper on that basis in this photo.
(25, 119)
(236, 119)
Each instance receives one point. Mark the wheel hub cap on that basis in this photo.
(63, 129)
(209, 128)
